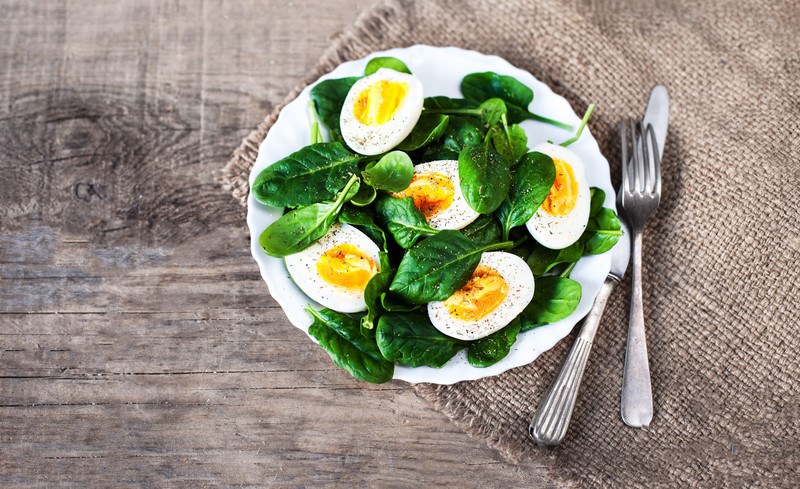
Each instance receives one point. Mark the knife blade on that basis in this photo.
(657, 115)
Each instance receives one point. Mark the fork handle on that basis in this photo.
(549, 424)
(637, 392)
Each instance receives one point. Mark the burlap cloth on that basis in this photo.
(722, 288)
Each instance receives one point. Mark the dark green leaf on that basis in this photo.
(385, 62)
(554, 299)
(402, 219)
(484, 230)
(362, 219)
(365, 196)
(533, 178)
(437, 267)
(377, 286)
(485, 177)
(493, 348)
(298, 229)
(483, 86)
(512, 145)
(602, 232)
(492, 111)
(411, 339)
(598, 197)
(461, 132)
(540, 259)
(339, 334)
(313, 174)
(433, 104)
(392, 303)
(429, 128)
(328, 96)
(393, 172)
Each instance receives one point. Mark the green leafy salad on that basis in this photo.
(425, 226)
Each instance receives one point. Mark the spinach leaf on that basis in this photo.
(461, 132)
(491, 349)
(533, 178)
(377, 286)
(483, 230)
(365, 196)
(392, 303)
(483, 86)
(339, 335)
(429, 128)
(385, 62)
(603, 229)
(542, 259)
(313, 174)
(316, 137)
(328, 96)
(411, 339)
(602, 232)
(554, 298)
(512, 144)
(485, 177)
(598, 198)
(438, 266)
(492, 111)
(403, 220)
(442, 104)
(298, 229)
(516, 95)
(393, 172)
(362, 219)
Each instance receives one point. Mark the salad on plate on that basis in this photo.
(425, 226)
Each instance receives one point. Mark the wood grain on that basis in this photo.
(139, 346)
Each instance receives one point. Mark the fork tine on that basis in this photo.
(656, 161)
(636, 157)
(624, 140)
(646, 178)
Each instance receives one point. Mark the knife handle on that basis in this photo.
(551, 420)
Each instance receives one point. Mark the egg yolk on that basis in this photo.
(346, 265)
(432, 192)
(480, 296)
(564, 193)
(377, 103)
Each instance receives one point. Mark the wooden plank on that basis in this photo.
(139, 346)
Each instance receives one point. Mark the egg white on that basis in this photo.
(302, 268)
(519, 278)
(558, 232)
(459, 214)
(373, 140)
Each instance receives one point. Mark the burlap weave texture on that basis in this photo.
(721, 253)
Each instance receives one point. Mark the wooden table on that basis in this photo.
(139, 346)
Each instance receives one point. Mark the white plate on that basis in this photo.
(441, 71)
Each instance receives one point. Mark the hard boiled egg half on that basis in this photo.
(500, 288)
(335, 270)
(564, 214)
(380, 110)
(436, 190)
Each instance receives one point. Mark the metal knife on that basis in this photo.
(636, 403)
(550, 422)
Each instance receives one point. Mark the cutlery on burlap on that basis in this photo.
(638, 197)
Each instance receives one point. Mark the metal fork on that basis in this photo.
(638, 198)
